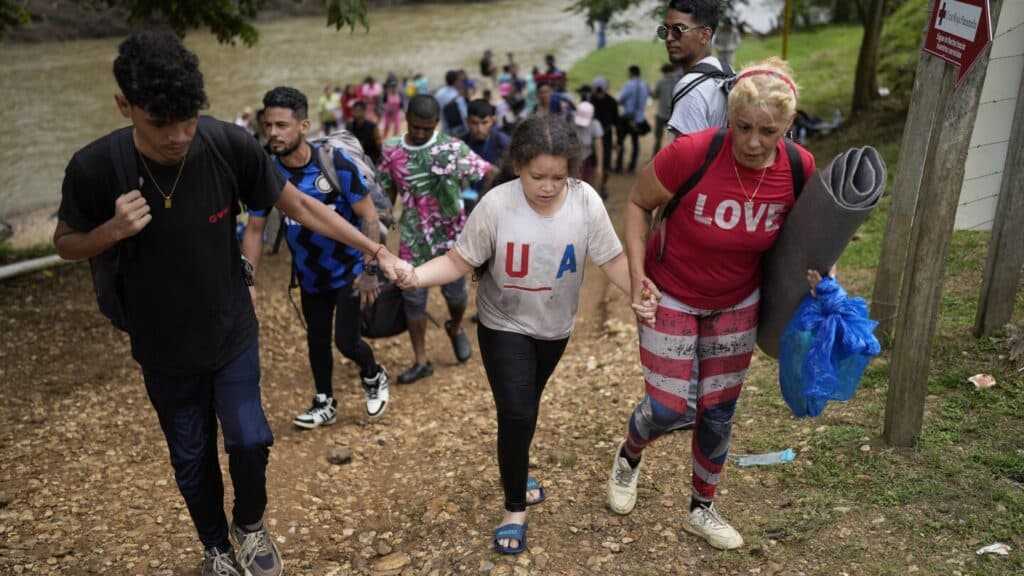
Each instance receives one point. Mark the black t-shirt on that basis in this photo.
(366, 133)
(185, 300)
(606, 110)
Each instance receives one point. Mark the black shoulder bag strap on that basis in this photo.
(796, 166)
(713, 150)
(108, 267)
(707, 72)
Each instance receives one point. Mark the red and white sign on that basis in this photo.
(958, 31)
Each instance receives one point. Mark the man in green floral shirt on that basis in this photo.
(429, 170)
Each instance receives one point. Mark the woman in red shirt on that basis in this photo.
(707, 273)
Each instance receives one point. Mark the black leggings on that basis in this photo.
(318, 309)
(518, 367)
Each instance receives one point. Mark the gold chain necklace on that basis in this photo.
(750, 198)
(167, 196)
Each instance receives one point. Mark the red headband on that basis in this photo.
(762, 71)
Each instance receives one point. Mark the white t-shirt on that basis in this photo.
(587, 135)
(535, 263)
(703, 107)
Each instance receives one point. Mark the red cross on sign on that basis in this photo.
(957, 32)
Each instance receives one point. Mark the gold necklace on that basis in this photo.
(750, 198)
(167, 196)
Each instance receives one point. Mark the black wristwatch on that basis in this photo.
(371, 269)
(247, 272)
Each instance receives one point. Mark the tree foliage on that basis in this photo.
(607, 10)
(229, 20)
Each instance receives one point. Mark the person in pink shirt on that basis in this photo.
(370, 93)
(392, 120)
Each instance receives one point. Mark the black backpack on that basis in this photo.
(453, 118)
(705, 72)
(796, 168)
(108, 268)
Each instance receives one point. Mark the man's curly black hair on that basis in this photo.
(289, 98)
(158, 74)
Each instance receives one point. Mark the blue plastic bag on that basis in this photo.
(825, 348)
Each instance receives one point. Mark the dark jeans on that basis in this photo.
(518, 367)
(188, 408)
(341, 306)
(634, 137)
(609, 140)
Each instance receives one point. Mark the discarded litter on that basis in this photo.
(982, 381)
(780, 457)
(997, 548)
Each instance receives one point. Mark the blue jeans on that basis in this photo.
(188, 408)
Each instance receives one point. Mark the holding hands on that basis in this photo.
(392, 266)
(645, 298)
(405, 276)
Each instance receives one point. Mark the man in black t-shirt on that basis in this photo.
(365, 131)
(183, 292)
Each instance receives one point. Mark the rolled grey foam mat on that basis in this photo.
(833, 204)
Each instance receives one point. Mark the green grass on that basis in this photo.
(822, 59)
(10, 254)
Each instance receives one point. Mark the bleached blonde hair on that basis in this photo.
(767, 84)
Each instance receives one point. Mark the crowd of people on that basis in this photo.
(505, 185)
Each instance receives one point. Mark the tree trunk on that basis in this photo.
(865, 84)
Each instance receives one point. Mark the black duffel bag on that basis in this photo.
(387, 315)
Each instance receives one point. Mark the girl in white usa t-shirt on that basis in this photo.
(532, 235)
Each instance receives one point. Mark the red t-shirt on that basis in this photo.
(715, 238)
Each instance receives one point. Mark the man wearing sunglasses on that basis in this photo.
(699, 98)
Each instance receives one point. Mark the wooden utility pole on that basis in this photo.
(925, 262)
(925, 114)
(786, 15)
(1006, 247)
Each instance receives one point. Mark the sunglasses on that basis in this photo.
(675, 30)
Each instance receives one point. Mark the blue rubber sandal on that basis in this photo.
(514, 531)
(532, 484)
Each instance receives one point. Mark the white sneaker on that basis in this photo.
(706, 523)
(323, 412)
(622, 484)
(377, 394)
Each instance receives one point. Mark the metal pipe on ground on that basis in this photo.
(26, 266)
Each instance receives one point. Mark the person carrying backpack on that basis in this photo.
(699, 97)
(725, 193)
(180, 286)
(332, 279)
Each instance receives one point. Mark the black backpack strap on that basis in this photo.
(713, 150)
(123, 155)
(716, 146)
(279, 237)
(126, 170)
(796, 167)
(707, 72)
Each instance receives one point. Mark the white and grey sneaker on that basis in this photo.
(706, 523)
(257, 553)
(377, 394)
(323, 412)
(622, 483)
(218, 563)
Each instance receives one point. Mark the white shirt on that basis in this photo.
(703, 107)
(535, 263)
